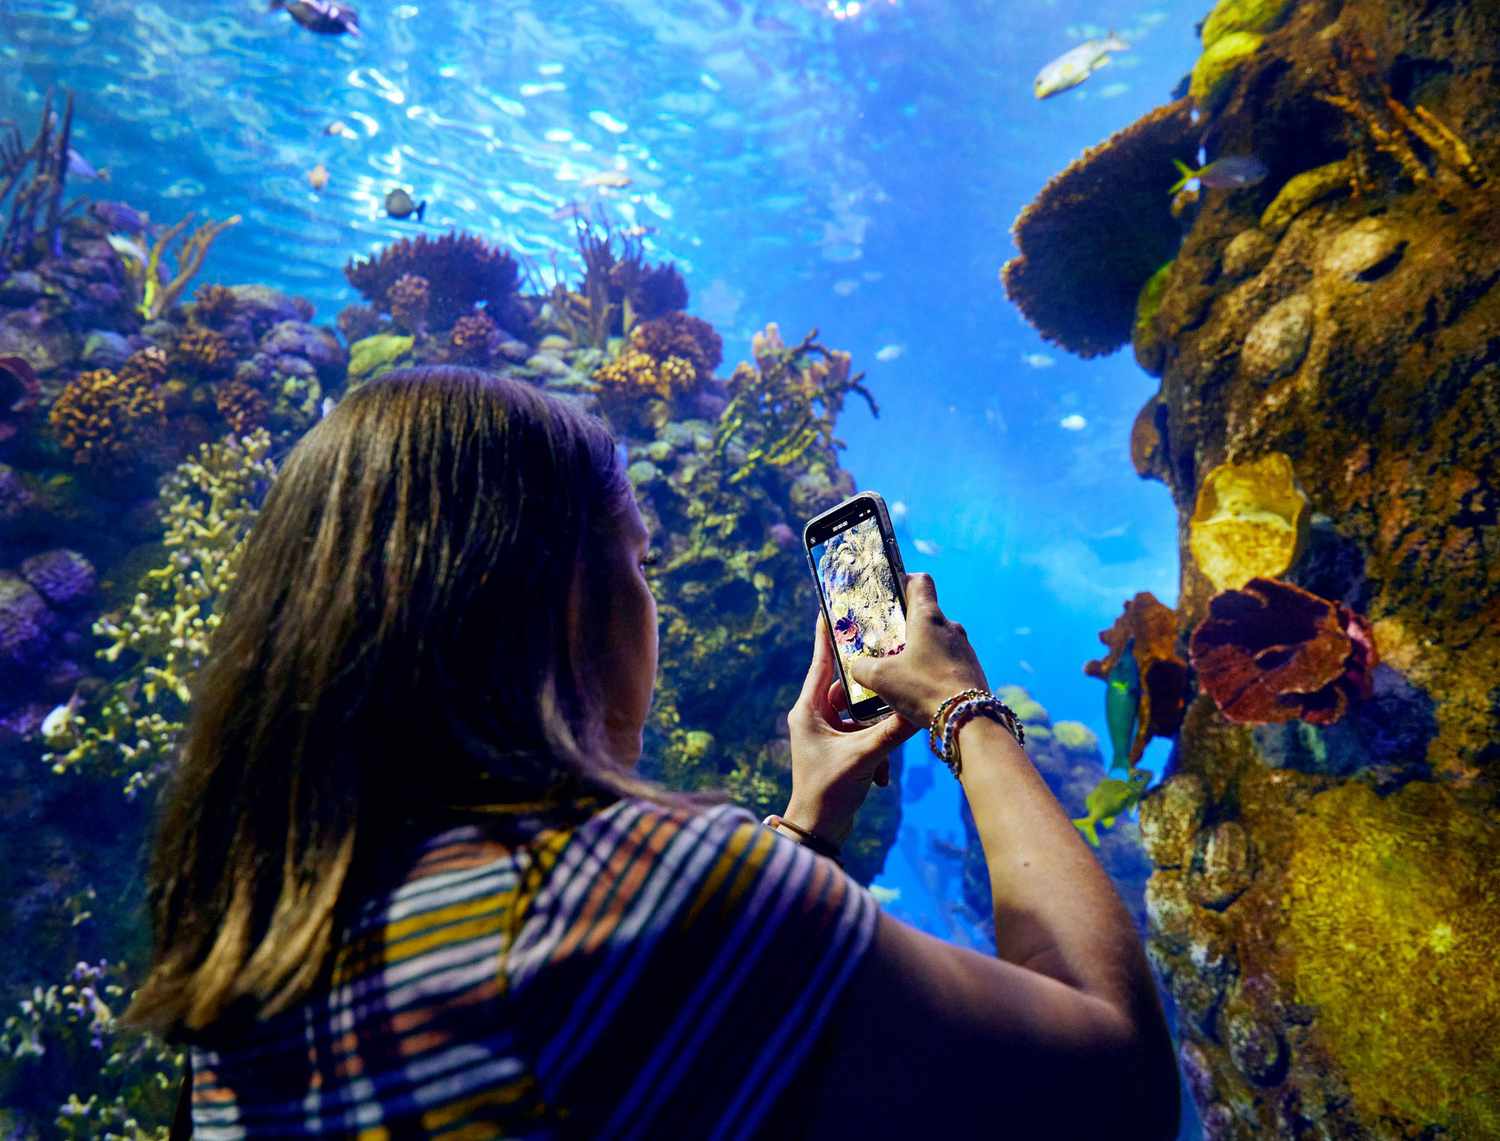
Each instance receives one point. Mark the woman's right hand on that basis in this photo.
(937, 662)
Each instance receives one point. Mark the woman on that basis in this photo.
(407, 881)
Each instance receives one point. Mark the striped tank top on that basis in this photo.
(644, 972)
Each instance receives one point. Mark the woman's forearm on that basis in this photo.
(1056, 911)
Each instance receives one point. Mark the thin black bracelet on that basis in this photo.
(804, 837)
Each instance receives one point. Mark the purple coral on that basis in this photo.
(62, 577)
(19, 391)
(25, 624)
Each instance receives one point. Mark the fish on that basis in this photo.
(129, 246)
(845, 287)
(885, 896)
(317, 178)
(340, 129)
(1122, 706)
(888, 353)
(80, 167)
(1073, 422)
(321, 16)
(927, 547)
(58, 725)
(1074, 66)
(1038, 360)
(606, 180)
(118, 216)
(1108, 799)
(637, 231)
(328, 405)
(398, 204)
(1232, 172)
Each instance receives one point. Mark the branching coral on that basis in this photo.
(1275, 652)
(202, 353)
(462, 271)
(1148, 630)
(69, 1032)
(1420, 143)
(786, 403)
(158, 296)
(409, 298)
(618, 289)
(660, 290)
(1097, 232)
(209, 503)
(36, 209)
(104, 420)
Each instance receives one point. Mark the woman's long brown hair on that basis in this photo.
(395, 642)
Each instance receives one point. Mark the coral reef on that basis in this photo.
(1249, 521)
(35, 202)
(104, 420)
(473, 339)
(409, 298)
(1147, 630)
(1097, 232)
(1315, 895)
(680, 335)
(202, 353)
(159, 295)
(461, 270)
(1273, 651)
(19, 393)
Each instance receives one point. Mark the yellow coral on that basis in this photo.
(640, 372)
(1393, 921)
(1249, 521)
(103, 419)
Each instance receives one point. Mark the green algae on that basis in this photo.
(1304, 190)
(1258, 16)
(374, 355)
(1217, 65)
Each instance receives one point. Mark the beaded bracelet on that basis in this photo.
(935, 727)
(986, 706)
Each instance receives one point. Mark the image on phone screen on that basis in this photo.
(864, 610)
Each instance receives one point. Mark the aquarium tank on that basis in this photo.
(1169, 331)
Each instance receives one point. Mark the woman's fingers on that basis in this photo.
(819, 670)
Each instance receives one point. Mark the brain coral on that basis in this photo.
(104, 420)
(1098, 231)
(1249, 521)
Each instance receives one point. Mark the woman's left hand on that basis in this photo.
(834, 762)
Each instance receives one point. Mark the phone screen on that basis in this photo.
(864, 609)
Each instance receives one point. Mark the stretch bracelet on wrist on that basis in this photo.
(935, 728)
(804, 837)
(987, 705)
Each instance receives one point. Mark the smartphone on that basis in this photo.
(857, 567)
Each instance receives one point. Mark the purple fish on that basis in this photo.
(1232, 172)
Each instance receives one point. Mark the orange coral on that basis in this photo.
(1150, 628)
(104, 420)
(1275, 652)
(1098, 231)
(636, 371)
(202, 352)
(146, 366)
(212, 305)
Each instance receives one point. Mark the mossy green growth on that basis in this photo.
(1075, 735)
(374, 355)
(1215, 68)
(1392, 924)
(1243, 16)
(1302, 191)
(1148, 301)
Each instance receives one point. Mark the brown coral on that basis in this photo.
(213, 305)
(242, 405)
(203, 353)
(1275, 652)
(680, 335)
(1149, 630)
(660, 290)
(146, 367)
(409, 299)
(104, 420)
(473, 338)
(1098, 231)
(467, 270)
(356, 322)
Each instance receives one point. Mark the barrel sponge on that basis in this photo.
(1098, 231)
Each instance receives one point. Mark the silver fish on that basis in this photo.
(1074, 66)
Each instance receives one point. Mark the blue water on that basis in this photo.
(854, 169)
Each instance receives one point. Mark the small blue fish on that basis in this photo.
(1122, 706)
(1232, 172)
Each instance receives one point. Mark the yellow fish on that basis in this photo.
(317, 178)
(1073, 67)
(1108, 800)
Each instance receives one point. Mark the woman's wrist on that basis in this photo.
(811, 816)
